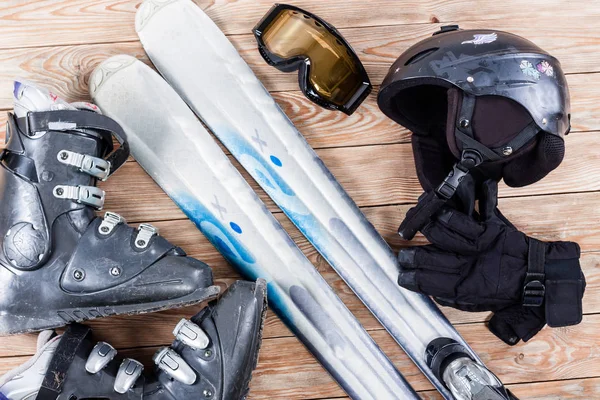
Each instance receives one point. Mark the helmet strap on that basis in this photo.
(431, 202)
(473, 154)
(465, 137)
(469, 160)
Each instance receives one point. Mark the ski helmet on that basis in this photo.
(479, 98)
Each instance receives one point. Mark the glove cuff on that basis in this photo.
(557, 283)
(565, 285)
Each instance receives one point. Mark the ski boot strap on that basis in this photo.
(36, 124)
(74, 342)
(66, 351)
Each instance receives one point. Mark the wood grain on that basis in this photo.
(57, 43)
(372, 176)
(67, 67)
(102, 21)
(379, 47)
(182, 233)
(558, 390)
(322, 128)
(287, 370)
(65, 70)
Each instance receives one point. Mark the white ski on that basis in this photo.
(200, 63)
(171, 144)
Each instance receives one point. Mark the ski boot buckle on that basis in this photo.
(93, 166)
(101, 355)
(88, 195)
(191, 334)
(110, 222)
(145, 233)
(129, 372)
(175, 366)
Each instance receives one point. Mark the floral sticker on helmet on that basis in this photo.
(545, 68)
(528, 69)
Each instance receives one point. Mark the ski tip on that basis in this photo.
(146, 10)
(107, 68)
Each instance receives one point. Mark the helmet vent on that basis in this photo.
(421, 55)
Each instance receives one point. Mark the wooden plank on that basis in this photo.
(370, 178)
(65, 70)
(118, 330)
(321, 128)
(102, 21)
(379, 47)
(558, 390)
(287, 370)
(558, 217)
(536, 215)
(183, 234)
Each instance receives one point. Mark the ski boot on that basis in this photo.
(58, 262)
(212, 357)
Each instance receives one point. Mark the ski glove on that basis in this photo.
(486, 264)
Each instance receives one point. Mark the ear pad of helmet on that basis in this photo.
(496, 121)
(534, 164)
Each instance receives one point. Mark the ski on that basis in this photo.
(171, 144)
(200, 63)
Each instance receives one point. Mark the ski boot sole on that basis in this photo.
(11, 324)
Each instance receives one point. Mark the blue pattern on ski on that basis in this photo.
(275, 186)
(217, 233)
(233, 251)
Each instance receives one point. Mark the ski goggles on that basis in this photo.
(329, 71)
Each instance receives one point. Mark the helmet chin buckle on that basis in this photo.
(470, 159)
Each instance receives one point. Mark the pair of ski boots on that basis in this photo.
(61, 264)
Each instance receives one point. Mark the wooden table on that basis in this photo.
(57, 43)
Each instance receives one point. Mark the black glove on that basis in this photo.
(483, 263)
(517, 322)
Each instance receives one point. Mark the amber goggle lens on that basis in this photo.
(334, 74)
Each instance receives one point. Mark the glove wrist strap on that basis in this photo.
(557, 285)
(534, 289)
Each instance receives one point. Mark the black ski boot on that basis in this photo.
(58, 262)
(212, 357)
